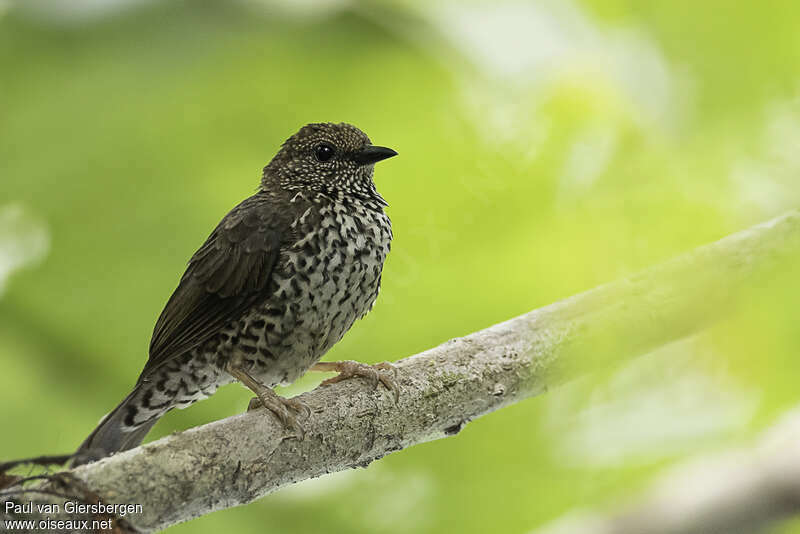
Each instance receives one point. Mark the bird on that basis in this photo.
(279, 281)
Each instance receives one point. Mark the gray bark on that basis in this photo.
(242, 458)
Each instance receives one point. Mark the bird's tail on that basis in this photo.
(113, 434)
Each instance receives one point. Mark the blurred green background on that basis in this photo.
(545, 148)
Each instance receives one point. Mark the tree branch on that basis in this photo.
(242, 458)
(736, 492)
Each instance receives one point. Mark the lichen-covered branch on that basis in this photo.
(242, 458)
(736, 492)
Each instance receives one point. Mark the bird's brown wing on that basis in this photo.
(225, 277)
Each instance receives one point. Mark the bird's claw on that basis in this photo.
(285, 410)
(349, 369)
(267, 398)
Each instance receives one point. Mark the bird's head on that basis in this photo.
(328, 158)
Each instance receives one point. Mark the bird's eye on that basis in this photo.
(324, 151)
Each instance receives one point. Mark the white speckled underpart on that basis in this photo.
(322, 283)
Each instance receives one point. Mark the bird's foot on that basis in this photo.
(374, 373)
(286, 410)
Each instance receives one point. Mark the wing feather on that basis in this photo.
(225, 277)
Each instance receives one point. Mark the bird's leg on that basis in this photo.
(267, 398)
(348, 369)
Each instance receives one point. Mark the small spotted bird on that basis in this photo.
(277, 283)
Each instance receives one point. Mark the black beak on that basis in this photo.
(373, 154)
